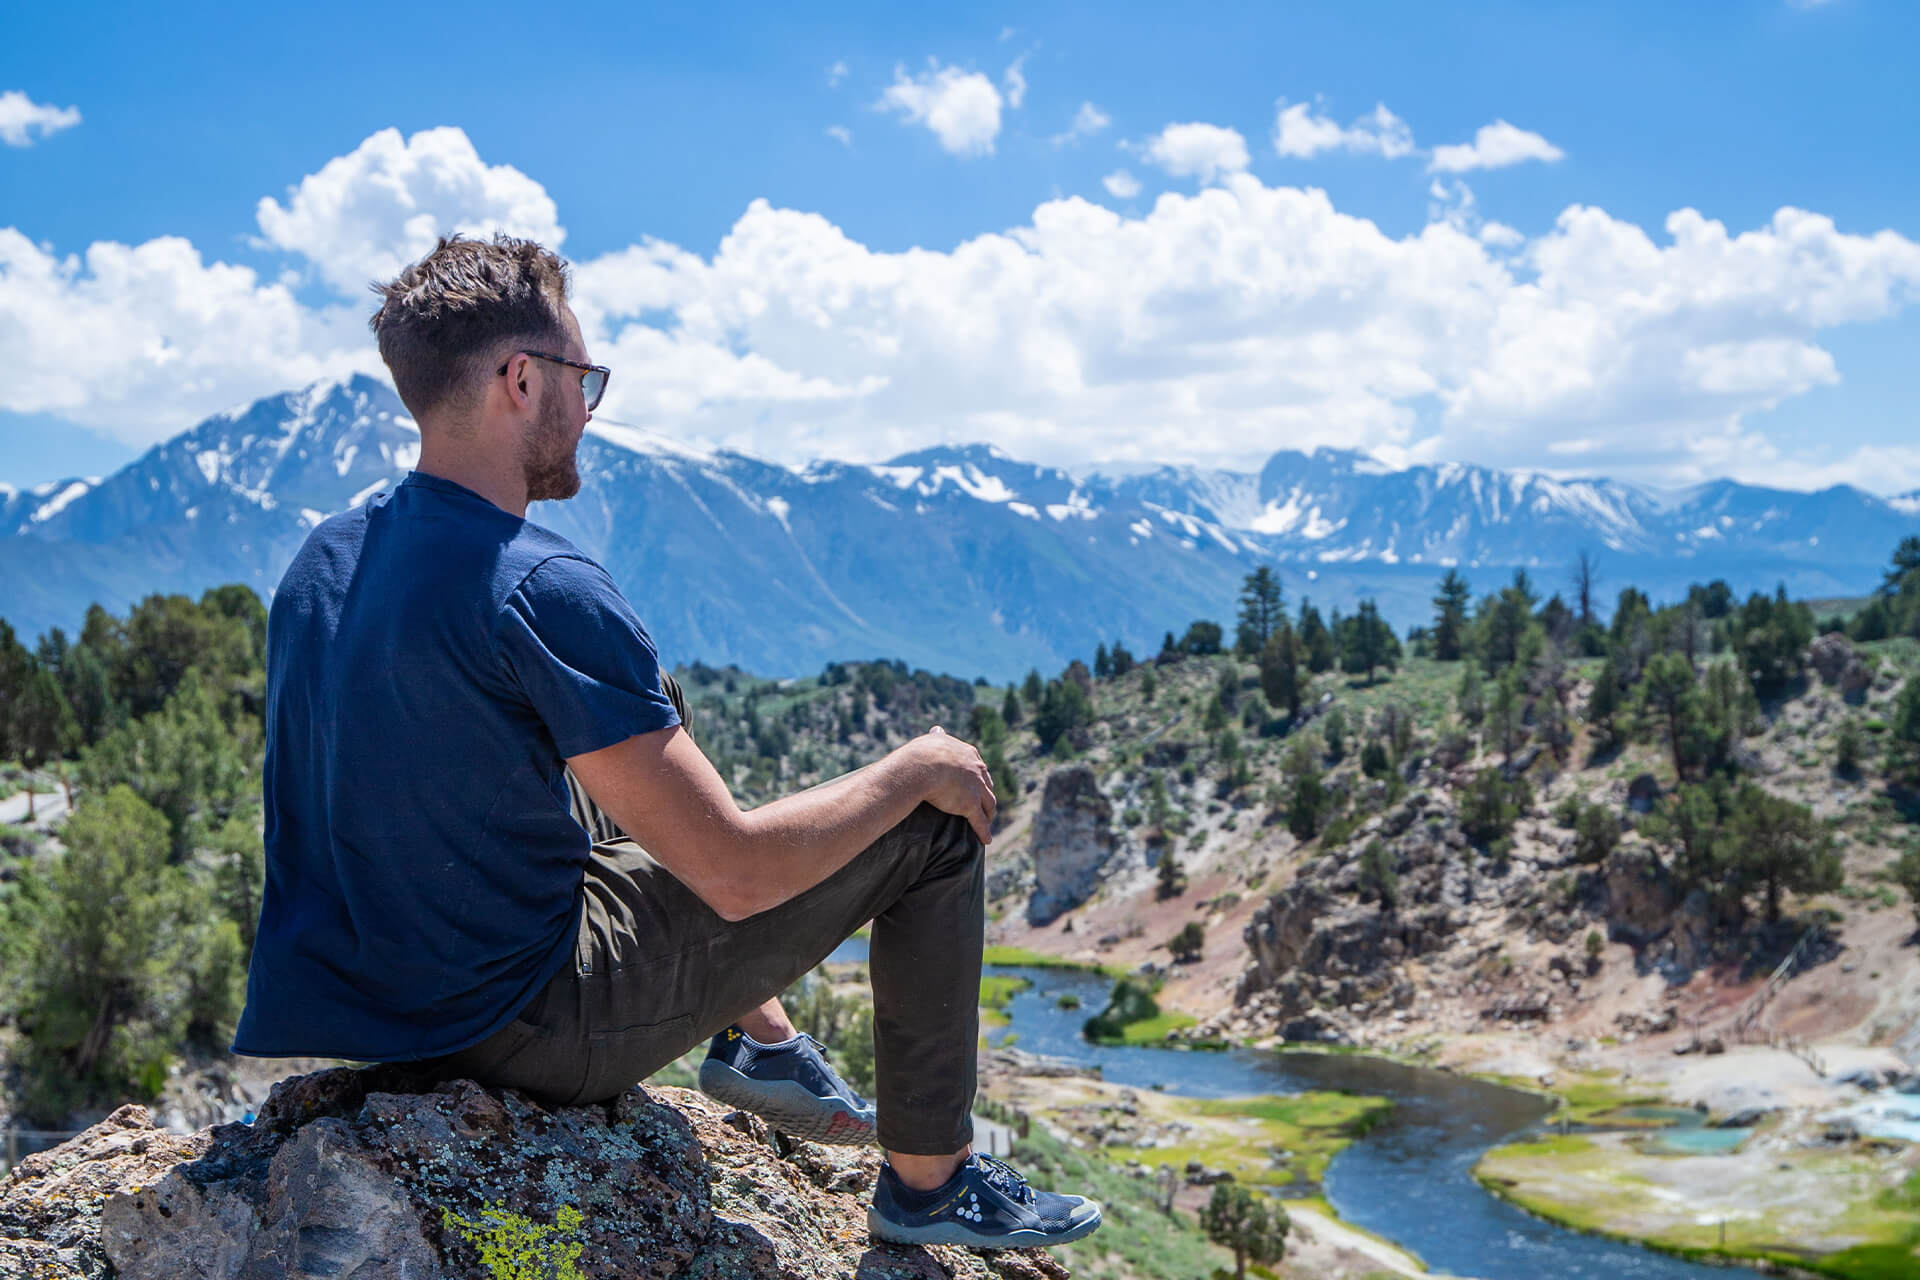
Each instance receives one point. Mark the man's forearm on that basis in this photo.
(664, 792)
(795, 842)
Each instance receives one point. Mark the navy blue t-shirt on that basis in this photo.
(430, 661)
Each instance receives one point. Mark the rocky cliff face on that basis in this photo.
(378, 1175)
(1315, 950)
(1072, 841)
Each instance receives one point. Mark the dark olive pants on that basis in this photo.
(656, 972)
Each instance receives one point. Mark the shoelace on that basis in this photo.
(1005, 1178)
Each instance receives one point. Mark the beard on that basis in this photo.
(546, 452)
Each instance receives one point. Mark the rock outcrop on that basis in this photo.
(1838, 664)
(1316, 952)
(377, 1174)
(1072, 841)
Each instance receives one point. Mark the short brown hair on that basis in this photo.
(450, 313)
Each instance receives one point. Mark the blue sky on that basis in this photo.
(956, 264)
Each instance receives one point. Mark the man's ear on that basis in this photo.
(519, 380)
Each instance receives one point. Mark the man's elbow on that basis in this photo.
(734, 897)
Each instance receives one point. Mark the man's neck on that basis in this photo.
(500, 481)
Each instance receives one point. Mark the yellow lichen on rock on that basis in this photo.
(514, 1247)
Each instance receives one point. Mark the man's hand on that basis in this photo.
(959, 781)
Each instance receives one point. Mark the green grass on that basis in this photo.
(1893, 1215)
(1024, 958)
(1592, 1100)
(1571, 1144)
(1152, 1032)
(1245, 1134)
(996, 993)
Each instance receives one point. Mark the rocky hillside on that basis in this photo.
(372, 1175)
(1403, 918)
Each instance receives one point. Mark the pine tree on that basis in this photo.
(99, 952)
(1669, 696)
(1586, 577)
(1253, 1225)
(44, 727)
(1906, 558)
(1260, 611)
(1170, 877)
(1378, 878)
(1102, 664)
(1603, 704)
(1471, 697)
(1780, 845)
(1010, 708)
(1306, 795)
(1280, 672)
(1369, 643)
(16, 671)
(1336, 734)
(1848, 748)
(1450, 617)
(1188, 944)
(1315, 640)
(1202, 638)
(1906, 874)
(1903, 739)
(1504, 713)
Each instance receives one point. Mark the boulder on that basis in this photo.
(1641, 896)
(1072, 842)
(1838, 664)
(380, 1174)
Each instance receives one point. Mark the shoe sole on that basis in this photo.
(955, 1233)
(788, 1106)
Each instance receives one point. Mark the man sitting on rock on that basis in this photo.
(436, 665)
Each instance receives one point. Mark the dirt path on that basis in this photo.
(1321, 1246)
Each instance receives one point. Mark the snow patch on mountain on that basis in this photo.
(74, 491)
(649, 444)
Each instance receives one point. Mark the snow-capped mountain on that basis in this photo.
(958, 558)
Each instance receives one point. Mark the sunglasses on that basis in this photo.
(593, 377)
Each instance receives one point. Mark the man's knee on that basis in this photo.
(953, 839)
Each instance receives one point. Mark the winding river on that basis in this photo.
(1410, 1180)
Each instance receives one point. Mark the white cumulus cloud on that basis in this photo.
(1087, 121)
(21, 118)
(1015, 82)
(142, 340)
(1121, 185)
(840, 134)
(1494, 146)
(836, 73)
(1298, 132)
(1203, 151)
(1500, 236)
(367, 214)
(1212, 328)
(962, 108)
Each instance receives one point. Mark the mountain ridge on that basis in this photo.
(955, 557)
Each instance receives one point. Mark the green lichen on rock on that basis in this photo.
(512, 1246)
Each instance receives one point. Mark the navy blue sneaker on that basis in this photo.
(791, 1086)
(985, 1205)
